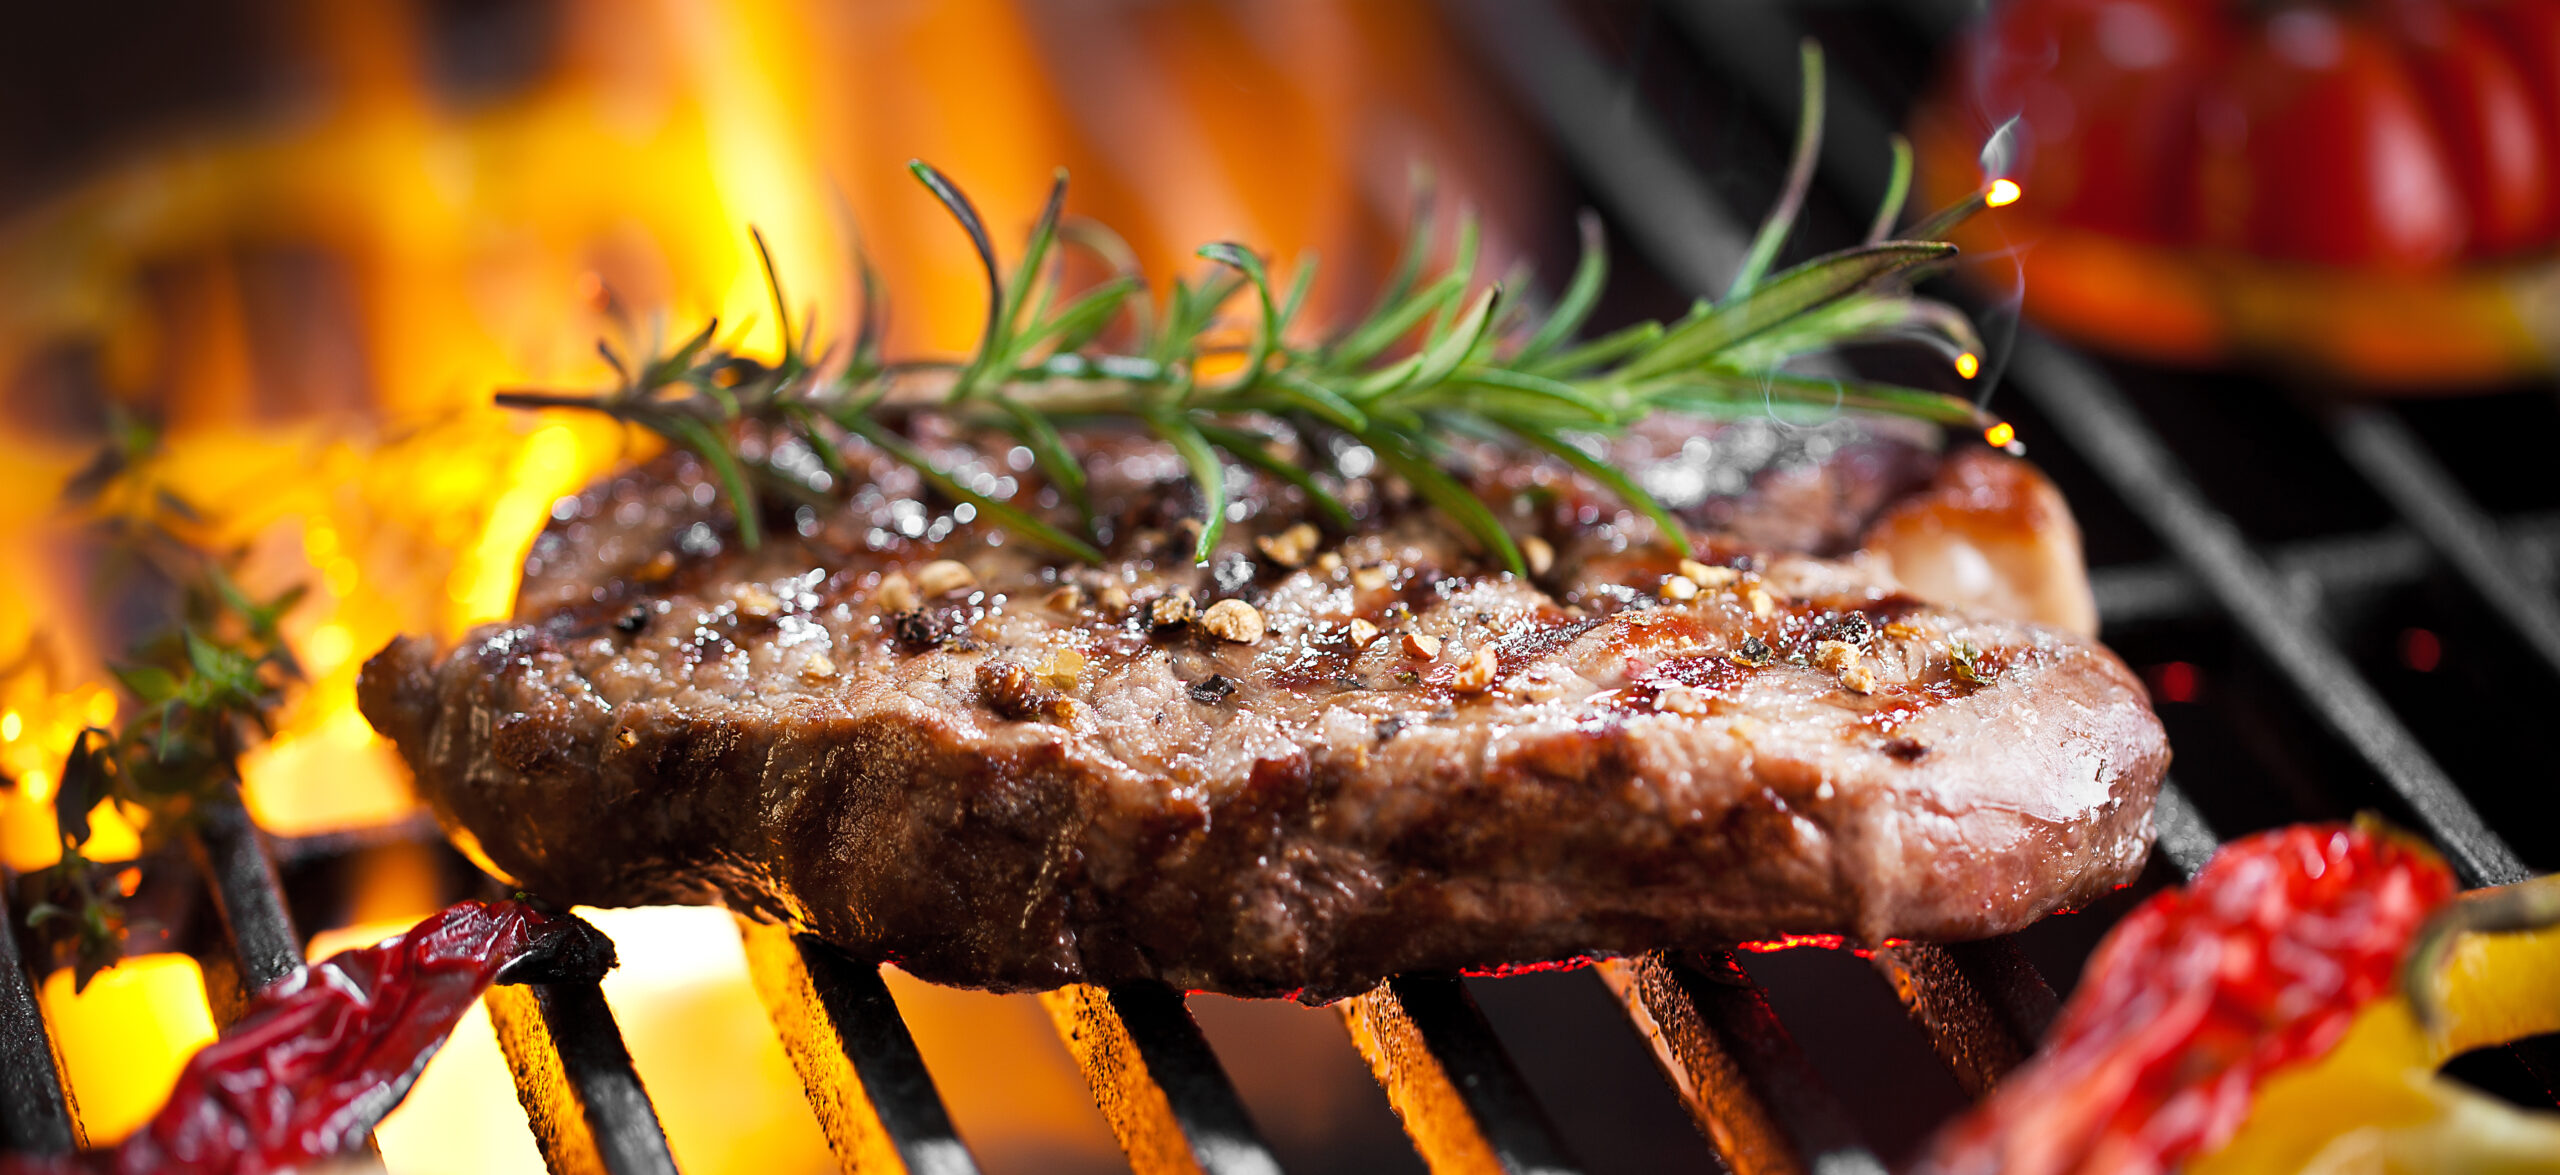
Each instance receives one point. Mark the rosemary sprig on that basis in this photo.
(199, 692)
(1436, 356)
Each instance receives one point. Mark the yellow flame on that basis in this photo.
(2000, 435)
(359, 453)
(124, 1039)
(1968, 365)
(101, 710)
(2003, 193)
(484, 586)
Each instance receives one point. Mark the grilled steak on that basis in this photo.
(1326, 757)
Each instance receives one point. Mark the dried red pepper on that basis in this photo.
(325, 1052)
(2261, 962)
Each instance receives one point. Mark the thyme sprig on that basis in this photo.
(1437, 356)
(200, 690)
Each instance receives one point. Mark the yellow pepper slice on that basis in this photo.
(2377, 1104)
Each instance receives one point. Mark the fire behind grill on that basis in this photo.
(2338, 607)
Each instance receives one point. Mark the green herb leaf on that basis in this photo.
(84, 783)
(1049, 450)
(1207, 472)
(1253, 451)
(1044, 231)
(1897, 189)
(1580, 295)
(1450, 498)
(150, 683)
(698, 437)
(1002, 513)
(1228, 253)
(1433, 360)
(1785, 297)
(773, 289)
(1782, 215)
(1081, 320)
(1617, 482)
(957, 203)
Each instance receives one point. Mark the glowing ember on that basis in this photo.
(2421, 650)
(2002, 193)
(1968, 365)
(2001, 435)
(2176, 681)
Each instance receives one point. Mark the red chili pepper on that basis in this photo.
(325, 1052)
(2196, 995)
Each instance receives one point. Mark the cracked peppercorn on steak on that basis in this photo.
(1868, 706)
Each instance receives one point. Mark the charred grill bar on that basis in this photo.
(1982, 1004)
(1462, 1100)
(35, 1113)
(264, 947)
(1740, 1072)
(1721, 1045)
(1159, 1086)
(866, 1082)
(584, 1101)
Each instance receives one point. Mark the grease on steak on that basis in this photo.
(1301, 815)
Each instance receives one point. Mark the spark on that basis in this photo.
(2000, 435)
(2003, 193)
(1968, 365)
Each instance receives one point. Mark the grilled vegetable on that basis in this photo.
(2368, 188)
(2286, 1012)
(324, 1053)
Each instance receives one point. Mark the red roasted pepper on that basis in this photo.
(325, 1052)
(2262, 962)
(2358, 188)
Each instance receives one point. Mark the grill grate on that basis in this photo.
(1158, 1084)
(1740, 1072)
(35, 1112)
(1462, 1100)
(1752, 1090)
(874, 1100)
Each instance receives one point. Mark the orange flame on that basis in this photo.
(335, 422)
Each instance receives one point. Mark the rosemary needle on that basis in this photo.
(1477, 364)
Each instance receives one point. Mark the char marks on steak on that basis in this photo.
(1039, 773)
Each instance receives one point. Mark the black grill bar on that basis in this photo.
(35, 1112)
(1460, 1097)
(2096, 420)
(1736, 1068)
(1666, 207)
(1637, 172)
(580, 1093)
(2381, 448)
(1157, 1083)
(2186, 842)
(233, 854)
(1982, 1005)
(2314, 570)
(2093, 416)
(839, 1025)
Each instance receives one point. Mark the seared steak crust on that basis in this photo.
(1051, 773)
